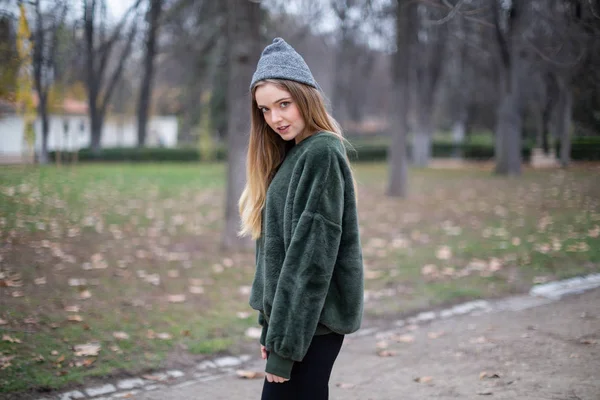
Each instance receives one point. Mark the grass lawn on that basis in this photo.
(125, 259)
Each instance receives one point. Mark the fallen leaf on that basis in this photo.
(31, 320)
(54, 352)
(18, 293)
(386, 353)
(488, 375)
(382, 344)
(75, 318)
(40, 281)
(176, 298)
(443, 253)
(243, 314)
(60, 359)
(39, 358)
(404, 338)
(121, 335)
(3, 322)
(7, 338)
(72, 309)
(85, 294)
(164, 336)
(423, 379)
(87, 349)
(5, 361)
(342, 385)
(85, 363)
(245, 374)
(173, 273)
(196, 289)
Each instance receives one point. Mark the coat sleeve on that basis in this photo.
(317, 210)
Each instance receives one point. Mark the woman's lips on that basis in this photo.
(283, 129)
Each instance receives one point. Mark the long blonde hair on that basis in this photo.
(267, 150)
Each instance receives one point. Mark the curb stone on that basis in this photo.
(209, 370)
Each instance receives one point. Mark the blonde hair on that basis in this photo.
(267, 150)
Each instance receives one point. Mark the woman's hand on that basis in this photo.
(275, 378)
(263, 352)
(270, 377)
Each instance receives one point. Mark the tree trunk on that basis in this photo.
(43, 112)
(508, 136)
(563, 122)
(148, 77)
(397, 157)
(95, 131)
(244, 50)
(421, 140)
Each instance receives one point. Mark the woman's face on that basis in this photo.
(280, 112)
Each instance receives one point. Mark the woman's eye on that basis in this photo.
(284, 104)
(263, 110)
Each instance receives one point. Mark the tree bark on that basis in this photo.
(509, 121)
(397, 155)
(243, 51)
(148, 77)
(564, 112)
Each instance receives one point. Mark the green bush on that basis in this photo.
(583, 148)
(146, 154)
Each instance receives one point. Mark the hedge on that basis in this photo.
(582, 149)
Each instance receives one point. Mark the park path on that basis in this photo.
(546, 351)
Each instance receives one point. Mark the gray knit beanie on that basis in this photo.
(279, 60)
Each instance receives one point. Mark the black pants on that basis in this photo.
(310, 378)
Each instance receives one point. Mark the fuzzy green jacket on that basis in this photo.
(309, 269)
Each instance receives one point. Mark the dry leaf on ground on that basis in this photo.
(5, 361)
(386, 353)
(196, 289)
(164, 336)
(72, 309)
(488, 375)
(242, 373)
(87, 349)
(404, 338)
(85, 294)
(75, 318)
(40, 281)
(423, 379)
(176, 298)
(121, 335)
(7, 338)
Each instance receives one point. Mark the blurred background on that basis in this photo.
(475, 131)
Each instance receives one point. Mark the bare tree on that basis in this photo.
(153, 15)
(99, 48)
(244, 51)
(45, 38)
(427, 52)
(405, 31)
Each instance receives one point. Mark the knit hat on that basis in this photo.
(279, 60)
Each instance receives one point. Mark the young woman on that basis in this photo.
(299, 205)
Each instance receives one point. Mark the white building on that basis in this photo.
(70, 131)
